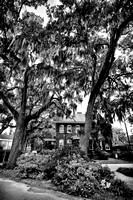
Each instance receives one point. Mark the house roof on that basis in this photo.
(6, 137)
(75, 137)
(77, 118)
(49, 139)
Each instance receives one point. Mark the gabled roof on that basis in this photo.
(77, 118)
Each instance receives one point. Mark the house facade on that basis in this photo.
(6, 141)
(69, 131)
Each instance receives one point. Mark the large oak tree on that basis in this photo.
(28, 88)
(87, 35)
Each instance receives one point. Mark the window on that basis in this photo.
(69, 129)
(90, 145)
(61, 143)
(107, 147)
(69, 141)
(61, 129)
(101, 144)
(77, 129)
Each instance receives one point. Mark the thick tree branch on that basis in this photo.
(115, 35)
(122, 74)
(24, 91)
(61, 108)
(32, 105)
(35, 115)
(33, 128)
(94, 67)
(125, 22)
(13, 88)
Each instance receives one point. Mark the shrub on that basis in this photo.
(126, 155)
(76, 180)
(66, 155)
(48, 151)
(49, 169)
(30, 166)
(71, 172)
(119, 188)
(105, 173)
(102, 155)
(126, 171)
(75, 175)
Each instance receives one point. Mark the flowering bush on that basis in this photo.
(105, 184)
(66, 155)
(77, 180)
(48, 151)
(105, 173)
(75, 175)
(30, 166)
(71, 172)
(119, 188)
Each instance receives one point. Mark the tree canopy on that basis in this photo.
(88, 36)
(28, 87)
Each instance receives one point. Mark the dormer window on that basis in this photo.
(61, 129)
(69, 129)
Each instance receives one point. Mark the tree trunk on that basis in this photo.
(17, 143)
(128, 139)
(24, 140)
(19, 135)
(84, 142)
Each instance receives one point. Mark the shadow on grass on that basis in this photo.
(127, 171)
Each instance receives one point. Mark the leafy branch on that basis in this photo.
(9, 105)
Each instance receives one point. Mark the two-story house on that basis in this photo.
(6, 141)
(67, 129)
(67, 132)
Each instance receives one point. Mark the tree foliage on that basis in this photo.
(86, 36)
(29, 85)
(119, 137)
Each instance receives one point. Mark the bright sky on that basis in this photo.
(41, 10)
